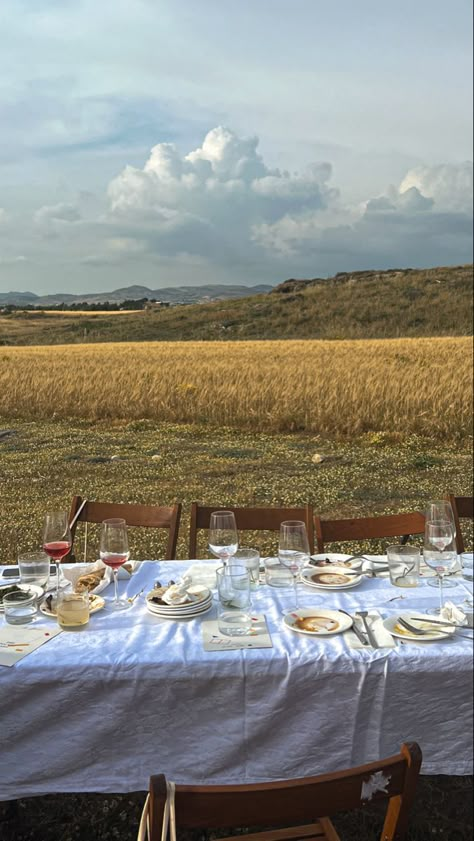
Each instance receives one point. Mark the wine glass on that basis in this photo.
(223, 538)
(438, 537)
(293, 549)
(441, 509)
(114, 552)
(57, 539)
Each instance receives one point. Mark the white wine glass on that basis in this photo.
(293, 549)
(441, 509)
(438, 537)
(114, 553)
(223, 538)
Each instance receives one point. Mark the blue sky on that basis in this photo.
(177, 142)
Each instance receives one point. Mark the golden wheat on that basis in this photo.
(342, 387)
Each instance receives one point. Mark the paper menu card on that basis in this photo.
(258, 637)
(16, 642)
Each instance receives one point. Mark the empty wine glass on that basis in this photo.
(438, 537)
(223, 537)
(441, 509)
(57, 539)
(293, 549)
(114, 552)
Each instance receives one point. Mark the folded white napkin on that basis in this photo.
(453, 614)
(204, 574)
(383, 637)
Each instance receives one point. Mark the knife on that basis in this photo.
(370, 633)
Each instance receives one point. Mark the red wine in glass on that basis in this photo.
(57, 549)
(114, 552)
(113, 559)
(57, 538)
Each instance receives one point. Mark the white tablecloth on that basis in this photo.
(133, 695)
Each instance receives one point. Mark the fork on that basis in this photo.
(131, 599)
(417, 631)
(370, 634)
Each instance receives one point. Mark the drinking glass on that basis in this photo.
(233, 589)
(467, 564)
(57, 539)
(20, 607)
(438, 537)
(250, 559)
(403, 565)
(73, 610)
(223, 538)
(34, 568)
(440, 509)
(114, 552)
(293, 549)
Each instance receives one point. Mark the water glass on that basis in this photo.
(467, 565)
(72, 610)
(34, 568)
(233, 588)
(277, 575)
(403, 565)
(250, 559)
(20, 607)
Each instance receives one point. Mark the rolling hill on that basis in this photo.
(351, 305)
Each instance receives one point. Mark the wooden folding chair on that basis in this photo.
(249, 519)
(146, 516)
(401, 526)
(308, 803)
(463, 509)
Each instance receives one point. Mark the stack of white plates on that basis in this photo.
(200, 603)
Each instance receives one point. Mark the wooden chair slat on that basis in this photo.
(463, 509)
(312, 799)
(249, 519)
(400, 526)
(308, 832)
(142, 516)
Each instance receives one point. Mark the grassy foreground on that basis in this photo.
(346, 388)
(42, 463)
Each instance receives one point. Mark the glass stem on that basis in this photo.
(115, 572)
(295, 579)
(57, 578)
(440, 593)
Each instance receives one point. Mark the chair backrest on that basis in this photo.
(368, 528)
(249, 519)
(146, 516)
(463, 509)
(296, 801)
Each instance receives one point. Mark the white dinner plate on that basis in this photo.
(335, 558)
(156, 608)
(176, 616)
(202, 595)
(337, 622)
(95, 603)
(308, 573)
(418, 620)
(33, 588)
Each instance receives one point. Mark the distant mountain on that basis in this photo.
(174, 295)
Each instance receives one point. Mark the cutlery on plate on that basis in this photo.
(430, 621)
(360, 636)
(370, 634)
(412, 629)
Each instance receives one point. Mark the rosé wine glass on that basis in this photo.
(57, 540)
(114, 552)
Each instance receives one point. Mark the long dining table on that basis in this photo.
(132, 695)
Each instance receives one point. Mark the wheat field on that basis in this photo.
(345, 388)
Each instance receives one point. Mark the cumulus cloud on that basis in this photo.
(57, 212)
(448, 185)
(207, 201)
